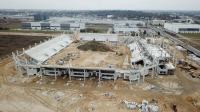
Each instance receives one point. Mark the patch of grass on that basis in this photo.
(95, 46)
(191, 35)
(11, 43)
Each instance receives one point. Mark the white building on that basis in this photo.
(113, 38)
(35, 26)
(55, 26)
(126, 30)
(182, 27)
(158, 22)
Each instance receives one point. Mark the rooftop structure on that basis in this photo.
(99, 37)
(44, 51)
(182, 27)
(158, 22)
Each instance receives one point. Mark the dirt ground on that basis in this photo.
(79, 58)
(20, 93)
(9, 43)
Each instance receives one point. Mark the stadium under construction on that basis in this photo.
(129, 58)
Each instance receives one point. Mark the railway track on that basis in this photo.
(183, 44)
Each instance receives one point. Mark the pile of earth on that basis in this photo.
(95, 46)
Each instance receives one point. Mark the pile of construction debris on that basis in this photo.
(191, 69)
(145, 106)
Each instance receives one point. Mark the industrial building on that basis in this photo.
(40, 17)
(126, 28)
(59, 56)
(113, 38)
(158, 22)
(51, 26)
(182, 27)
(121, 27)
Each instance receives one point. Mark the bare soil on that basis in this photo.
(20, 93)
(23, 93)
(11, 43)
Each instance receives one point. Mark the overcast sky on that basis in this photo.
(102, 4)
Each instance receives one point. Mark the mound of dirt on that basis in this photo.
(94, 46)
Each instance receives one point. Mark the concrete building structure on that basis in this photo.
(182, 27)
(99, 37)
(35, 26)
(55, 58)
(158, 22)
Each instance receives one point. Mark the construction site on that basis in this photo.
(100, 72)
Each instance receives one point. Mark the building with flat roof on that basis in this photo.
(158, 22)
(182, 27)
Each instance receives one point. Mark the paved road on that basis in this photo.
(177, 41)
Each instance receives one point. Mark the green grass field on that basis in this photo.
(192, 39)
(192, 35)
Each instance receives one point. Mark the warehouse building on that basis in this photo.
(158, 22)
(112, 38)
(182, 27)
(45, 26)
(64, 26)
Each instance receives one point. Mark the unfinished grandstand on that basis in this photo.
(129, 58)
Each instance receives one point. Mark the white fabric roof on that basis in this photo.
(99, 37)
(45, 50)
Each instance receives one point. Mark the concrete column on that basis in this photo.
(55, 74)
(84, 75)
(99, 75)
(26, 67)
(41, 72)
(114, 76)
(174, 57)
(13, 56)
(143, 77)
(69, 72)
(139, 79)
(152, 72)
(17, 52)
(156, 71)
(23, 50)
